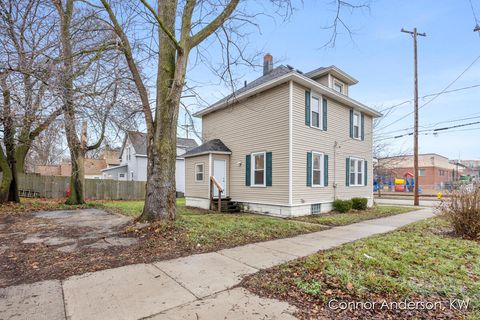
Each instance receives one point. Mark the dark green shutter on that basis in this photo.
(366, 173)
(269, 169)
(363, 126)
(351, 123)
(325, 170)
(309, 169)
(307, 108)
(347, 170)
(247, 170)
(325, 114)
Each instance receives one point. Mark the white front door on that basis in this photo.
(220, 172)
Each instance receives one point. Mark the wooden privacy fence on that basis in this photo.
(95, 189)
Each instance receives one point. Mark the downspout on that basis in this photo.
(335, 146)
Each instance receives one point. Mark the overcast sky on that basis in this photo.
(381, 58)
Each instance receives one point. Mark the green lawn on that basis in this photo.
(209, 228)
(341, 219)
(418, 262)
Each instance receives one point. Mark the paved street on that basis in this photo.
(194, 287)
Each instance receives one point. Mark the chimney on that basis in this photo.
(267, 63)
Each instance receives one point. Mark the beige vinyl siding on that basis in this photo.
(307, 139)
(259, 123)
(193, 188)
(323, 80)
(225, 157)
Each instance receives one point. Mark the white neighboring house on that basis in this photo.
(133, 160)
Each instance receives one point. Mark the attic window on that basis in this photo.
(338, 86)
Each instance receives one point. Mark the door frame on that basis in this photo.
(225, 193)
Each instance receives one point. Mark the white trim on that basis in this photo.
(341, 84)
(112, 168)
(290, 143)
(252, 170)
(322, 168)
(328, 70)
(356, 173)
(209, 173)
(205, 152)
(359, 115)
(318, 97)
(302, 80)
(203, 171)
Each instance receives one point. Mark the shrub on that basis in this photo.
(462, 210)
(359, 203)
(342, 206)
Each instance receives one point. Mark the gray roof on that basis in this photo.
(139, 142)
(275, 73)
(212, 146)
(188, 143)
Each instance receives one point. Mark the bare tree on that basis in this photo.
(48, 148)
(198, 20)
(26, 38)
(88, 83)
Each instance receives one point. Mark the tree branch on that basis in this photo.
(214, 24)
(162, 26)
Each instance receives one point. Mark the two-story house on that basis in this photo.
(133, 160)
(286, 144)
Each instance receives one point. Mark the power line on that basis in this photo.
(429, 95)
(436, 130)
(437, 94)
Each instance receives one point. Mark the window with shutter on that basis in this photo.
(258, 169)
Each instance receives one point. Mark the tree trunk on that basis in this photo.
(77, 179)
(77, 150)
(161, 189)
(20, 155)
(6, 178)
(9, 185)
(160, 199)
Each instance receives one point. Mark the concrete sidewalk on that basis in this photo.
(407, 202)
(193, 287)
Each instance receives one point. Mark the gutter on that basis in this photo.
(298, 78)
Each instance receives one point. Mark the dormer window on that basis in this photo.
(338, 86)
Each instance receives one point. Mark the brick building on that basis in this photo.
(93, 167)
(434, 170)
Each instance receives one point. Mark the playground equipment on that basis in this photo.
(400, 185)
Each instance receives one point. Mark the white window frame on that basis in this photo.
(340, 84)
(359, 117)
(129, 154)
(322, 168)
(320, 110)
(356, 160)
(197, 172)
(421, 170)
(252, 169)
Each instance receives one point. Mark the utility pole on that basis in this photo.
(414, 34)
